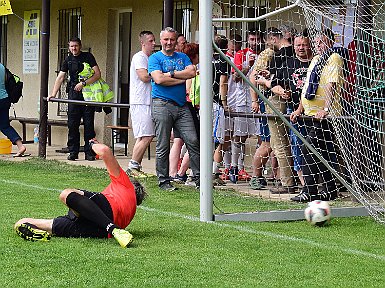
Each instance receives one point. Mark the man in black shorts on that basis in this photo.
(94, 215)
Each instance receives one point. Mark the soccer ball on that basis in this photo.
(318, 213)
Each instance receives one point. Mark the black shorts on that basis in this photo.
(72, 226)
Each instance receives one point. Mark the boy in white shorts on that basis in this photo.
(243, 127)
(234, 45)
(140, 103)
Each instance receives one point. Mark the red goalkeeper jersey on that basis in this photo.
(122, 198)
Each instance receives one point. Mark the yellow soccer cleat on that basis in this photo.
(123, 237)
(137, 173)
(30, 233)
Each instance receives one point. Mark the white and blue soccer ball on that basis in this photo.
(318, 213)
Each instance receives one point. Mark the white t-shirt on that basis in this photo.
(239, 92)
(140, 92)
(242, 89)
(231, 87)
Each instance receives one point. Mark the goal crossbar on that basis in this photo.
(259, 18)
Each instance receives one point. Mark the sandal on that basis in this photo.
(21, 152)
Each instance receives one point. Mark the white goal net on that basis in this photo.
(321, 65)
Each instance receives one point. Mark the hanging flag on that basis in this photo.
(5, 7)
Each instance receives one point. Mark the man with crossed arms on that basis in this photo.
(169, 71)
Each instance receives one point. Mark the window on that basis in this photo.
(3, 39)
(182, 18)
(69, 27)
(247, 9)
(255, 9)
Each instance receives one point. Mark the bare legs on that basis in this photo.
(138, 151)
(260, 159)
(184, 165)
(42, 224)
(21, 148)
(46, 224)
(175, 156)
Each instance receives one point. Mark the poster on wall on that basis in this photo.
(31, 35)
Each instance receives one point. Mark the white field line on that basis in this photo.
(270, 234)
(29, 185)
(283, 237)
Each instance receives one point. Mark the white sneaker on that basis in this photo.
(190, 182)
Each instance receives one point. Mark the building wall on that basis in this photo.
(29, 104)
(98, 34)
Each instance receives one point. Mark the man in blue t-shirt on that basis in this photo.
(169, 71)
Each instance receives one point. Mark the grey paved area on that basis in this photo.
(148, 165)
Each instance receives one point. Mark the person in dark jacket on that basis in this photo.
(5, 125)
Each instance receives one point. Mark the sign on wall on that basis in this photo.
(31, 42)
(5, 8)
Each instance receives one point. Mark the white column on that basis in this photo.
(206, 104)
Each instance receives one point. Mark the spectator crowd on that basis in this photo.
(302, 78)
(301, 75)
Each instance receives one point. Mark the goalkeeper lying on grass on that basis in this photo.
(95, 215)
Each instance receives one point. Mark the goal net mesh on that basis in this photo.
(261, 154)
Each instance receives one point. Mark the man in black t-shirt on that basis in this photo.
(221, 73)
(73, 65)
(288, 84)
(289, 81)
(285, 52)
(279, 139)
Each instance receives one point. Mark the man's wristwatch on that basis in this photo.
(172, 73)
(84, 83)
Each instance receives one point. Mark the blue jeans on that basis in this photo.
(166, 116)
(5, 126)
(296, 142)
(264, 128)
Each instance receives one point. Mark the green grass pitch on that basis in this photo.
(171, 247)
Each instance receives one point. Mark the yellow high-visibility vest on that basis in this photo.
(99, 91)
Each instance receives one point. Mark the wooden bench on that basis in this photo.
(115, 132)
(50, 122)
